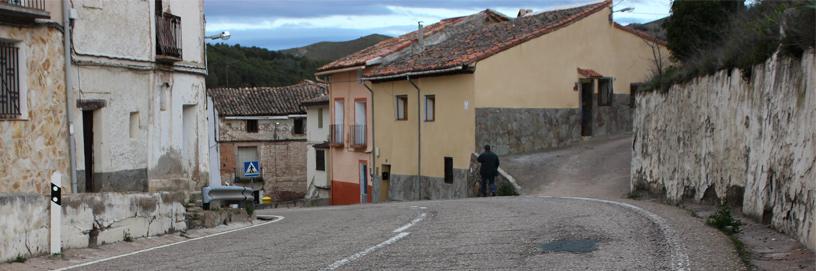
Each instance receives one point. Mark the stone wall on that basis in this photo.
(749, 138)
(521, 130)
(283, 167)
(89, 219)
(35, 146)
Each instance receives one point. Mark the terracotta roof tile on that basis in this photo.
(588, 73)
(265, 101)
(477, 43)
(323, 99)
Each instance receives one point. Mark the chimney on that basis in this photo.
(420, 37)
(524, 12)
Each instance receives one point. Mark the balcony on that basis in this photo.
(336, 134)
(358, 136)
(23, 11)
(168, 37)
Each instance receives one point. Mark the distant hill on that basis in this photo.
(237, 66)
(654, 28)
(328, 51)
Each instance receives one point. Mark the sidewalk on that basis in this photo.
(73, 257)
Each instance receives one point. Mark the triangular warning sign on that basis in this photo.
(251, 169)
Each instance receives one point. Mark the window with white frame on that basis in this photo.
(401, 107)
(430, 107)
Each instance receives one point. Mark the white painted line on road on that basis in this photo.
(168, 245)
(401, 233)
(410, 224)
(679, 258)
(360, 254)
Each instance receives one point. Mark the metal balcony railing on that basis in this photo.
(30, 4)
(358, 135)
(337, 135)
(168, 36)
(22, 11)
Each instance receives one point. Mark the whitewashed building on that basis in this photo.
(140, 109)
(317, 150)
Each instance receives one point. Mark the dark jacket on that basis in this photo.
(490, 164)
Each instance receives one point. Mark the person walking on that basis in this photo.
(489, 169)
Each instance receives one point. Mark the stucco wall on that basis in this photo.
(541, 73)
(33, 148)
(748, 141)
(345, 160)
(167, 149)
(451, 134)
(317, 135)
(89, 219)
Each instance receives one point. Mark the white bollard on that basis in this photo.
(56, 214)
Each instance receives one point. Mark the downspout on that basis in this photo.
(419, 137)
(69, 94)
(373, 169)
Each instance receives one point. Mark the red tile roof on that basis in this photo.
(394, 45)
(588, 73)
(265, 101)
(641, 34)
(472, 44)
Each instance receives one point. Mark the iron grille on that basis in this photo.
(9, 80)
(32, 4)
(336, 134)
(358, 135)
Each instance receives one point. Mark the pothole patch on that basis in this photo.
(569, 245)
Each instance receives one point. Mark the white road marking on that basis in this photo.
(679, 258)
(360, 254)
(410, 224)
(167, 245)
(401, 233)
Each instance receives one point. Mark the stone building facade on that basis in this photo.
(33, 129)
(267, 125)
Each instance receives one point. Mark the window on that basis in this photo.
(320, 118)
(298, 126)
(336, 127)
(252, 126)
(320, 160)
(11, 98)
(449, 169)
(134, 124)
(245, 154)
(358, 130)
(430, 107)
(401, 106)
(605, 92)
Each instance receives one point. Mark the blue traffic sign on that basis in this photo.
(251, 169)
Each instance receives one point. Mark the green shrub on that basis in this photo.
(19, 259)
(724, 221)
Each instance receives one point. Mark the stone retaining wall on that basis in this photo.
(746, 138)
(89, 219)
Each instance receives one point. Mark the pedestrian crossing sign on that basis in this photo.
(251, 169)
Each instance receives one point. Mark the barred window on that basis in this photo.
(9, 80)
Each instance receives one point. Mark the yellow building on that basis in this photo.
(523, 84)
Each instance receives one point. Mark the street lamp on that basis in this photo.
(220, 36)
(629, 9)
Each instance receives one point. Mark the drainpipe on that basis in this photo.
(69, 94)
(373, 145)
(419, 137)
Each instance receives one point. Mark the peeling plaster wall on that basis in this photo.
(36, 146)
(89, 219)
(169, 150)
(233, 130)
(752, 142)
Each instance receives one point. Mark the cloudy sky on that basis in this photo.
(281, 24)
